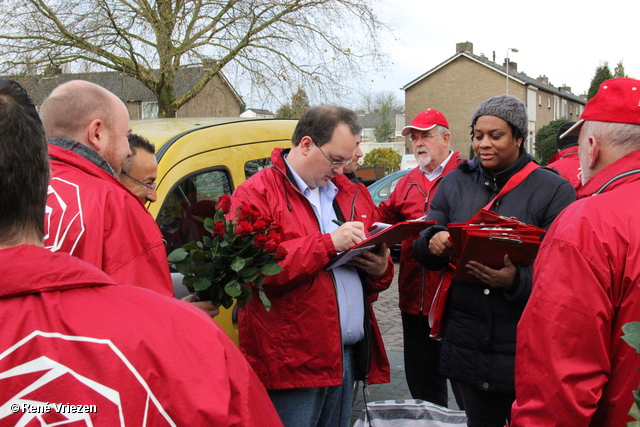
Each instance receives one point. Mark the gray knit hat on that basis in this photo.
(508, 108)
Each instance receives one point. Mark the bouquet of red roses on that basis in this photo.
(235, 259)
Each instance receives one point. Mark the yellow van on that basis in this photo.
(200, 159)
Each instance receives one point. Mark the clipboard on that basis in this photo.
(487, 237)
(489, 248)
(390, 235)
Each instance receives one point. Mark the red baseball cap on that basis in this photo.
(426, 120)
(617, 101)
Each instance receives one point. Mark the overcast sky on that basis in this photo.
(563, 40)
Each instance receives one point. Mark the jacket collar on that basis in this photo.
(500, 179)
(625, 164)
(29, 269)
(83, 151)
(563, 153)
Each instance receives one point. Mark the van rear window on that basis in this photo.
(195, 196)
(252, 167)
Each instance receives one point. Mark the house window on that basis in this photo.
(150, 110)
(548, 102)
(539, 100)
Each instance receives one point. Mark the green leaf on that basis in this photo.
(219, 216)
(632, 335)
(208, 241)
(271, 269)
(188, 283)
(233, 288)
(191, 246)
(208, 224)
(184, 267)
(237, 264)
(264, 299)
(249, 272)
(201, 283)
(178, 255)
(259, 281)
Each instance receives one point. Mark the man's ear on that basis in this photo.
(306, 144)
(96, 136)
(593, 151)
(447, 138)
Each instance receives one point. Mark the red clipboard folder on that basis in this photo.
(487, 237)
(390, 235)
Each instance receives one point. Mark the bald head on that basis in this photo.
(90, 115)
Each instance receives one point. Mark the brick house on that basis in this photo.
(459, 84)
(217, 99)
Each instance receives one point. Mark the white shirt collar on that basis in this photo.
(437, 171)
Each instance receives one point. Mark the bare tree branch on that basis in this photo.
(275, 45)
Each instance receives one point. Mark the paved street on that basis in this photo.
(388, 315)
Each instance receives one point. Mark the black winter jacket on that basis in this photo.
(479, 329)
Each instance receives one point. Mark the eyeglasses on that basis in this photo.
(425, 136)
(334, 163)
(149, 187)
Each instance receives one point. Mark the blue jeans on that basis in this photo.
(318, 406)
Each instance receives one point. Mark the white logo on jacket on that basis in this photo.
(54, 370)
(64, 220)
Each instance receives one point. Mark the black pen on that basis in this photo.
(335, 221)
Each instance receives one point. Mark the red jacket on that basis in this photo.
(572, 366)
(410, 200)
(298, 344)
(567, 163)
(70, 337)
(95, 218)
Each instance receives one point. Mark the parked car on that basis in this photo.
(382, 189)
(200, 159)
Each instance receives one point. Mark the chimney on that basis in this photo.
(494, 56)
(565, 88)
(208, 62)
(543, 79)
(513, 66)
(464, 47)
(52, 71)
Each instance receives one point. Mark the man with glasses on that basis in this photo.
(140, 171)
(430, 138)
(320, 334)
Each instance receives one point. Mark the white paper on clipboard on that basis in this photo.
(348, 257)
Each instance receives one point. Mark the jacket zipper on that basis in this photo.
(425, 210)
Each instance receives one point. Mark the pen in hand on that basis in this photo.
(339, 223)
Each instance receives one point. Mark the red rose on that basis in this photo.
(275, 226)
(281, 253)
(259, 225)
(218, 229)
(224, 203)
(243, 228)
(270, 246)
(245, 213)
(274, 236)
(259, 240)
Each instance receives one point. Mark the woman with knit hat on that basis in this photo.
(480, 319)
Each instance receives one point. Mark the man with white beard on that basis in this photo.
(430, 138)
